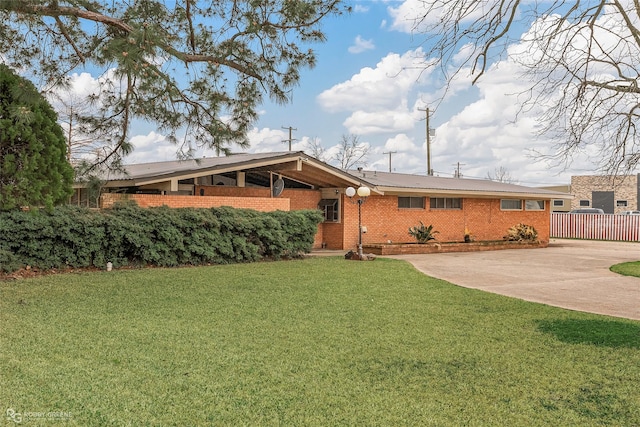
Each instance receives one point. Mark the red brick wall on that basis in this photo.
(228, 191)
(380, 214)
(483, 218)
(300, 198)
(332, 235)
(263, 204)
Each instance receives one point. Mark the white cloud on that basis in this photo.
(365, 123)
(401, 143)
(406, 155)
(361, 45)
(75, 94)
(405, 15)
(378, 98)
(377, 88)
(152, 147)
(360, 8)
(267, 140)
(414, 16)
(84, 84)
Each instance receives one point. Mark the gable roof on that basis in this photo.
(301, 167)
(293, 164)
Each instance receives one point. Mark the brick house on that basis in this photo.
(612, 194)
(294, 180)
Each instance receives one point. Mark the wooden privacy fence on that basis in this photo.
(596, 226)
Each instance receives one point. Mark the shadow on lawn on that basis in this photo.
(603, 333)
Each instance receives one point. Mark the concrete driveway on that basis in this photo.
(571, 274)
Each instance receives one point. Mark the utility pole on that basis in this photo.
(430, 132)
(290, 138)
(457, 174)
(390, 153)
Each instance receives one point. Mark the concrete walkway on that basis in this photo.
(572, 274)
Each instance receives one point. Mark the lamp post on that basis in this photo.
(363, 192)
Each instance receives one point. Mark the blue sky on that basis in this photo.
(368, 82)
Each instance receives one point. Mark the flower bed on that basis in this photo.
(443, 247)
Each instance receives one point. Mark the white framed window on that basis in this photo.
(329, 208)
(585, 203)
(445, 203)
(621, 203)
(410, 202)
(534, 205)
(510, 204)
(558, 203)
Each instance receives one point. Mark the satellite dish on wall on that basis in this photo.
(278, 187)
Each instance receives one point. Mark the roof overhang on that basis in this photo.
(473, 193)
(305, 169)
(295, 165)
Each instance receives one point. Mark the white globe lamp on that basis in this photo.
(364, 191)
(350, 192)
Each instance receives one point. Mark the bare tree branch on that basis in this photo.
(351, 152)
(582, 60)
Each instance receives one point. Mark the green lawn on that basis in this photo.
(321, 341)
(627, 268)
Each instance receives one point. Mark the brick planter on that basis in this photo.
(443, 247)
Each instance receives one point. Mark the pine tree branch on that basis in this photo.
(66, 35)
(57, 11)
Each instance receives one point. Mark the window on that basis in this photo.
(330, 209)
(621, 203)
(585, 203)
(534, 205)
(445, 203)
(410, 202)
(510, 205)
(558, 203)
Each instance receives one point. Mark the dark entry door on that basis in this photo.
(603, 200)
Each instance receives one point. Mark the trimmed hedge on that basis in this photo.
(129, 235)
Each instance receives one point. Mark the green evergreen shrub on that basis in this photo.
(34, 170)
(69, 236)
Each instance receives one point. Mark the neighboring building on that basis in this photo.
(612, 194)
(294, 180)
(560, 205)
